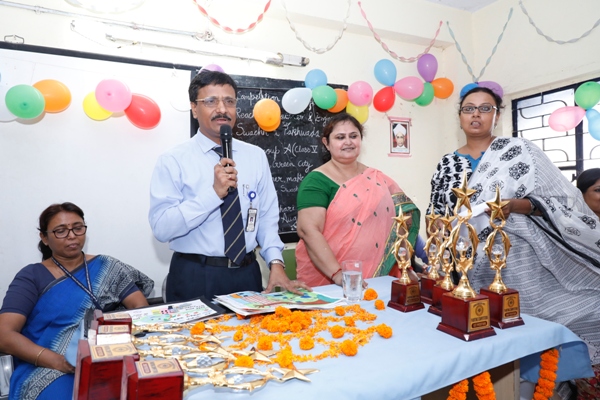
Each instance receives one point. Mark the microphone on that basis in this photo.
(226, 141)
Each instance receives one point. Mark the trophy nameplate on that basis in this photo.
(466, 319)
(113, 334)
(151, 379)
(99, 370)
(405, 297)
(505, 310)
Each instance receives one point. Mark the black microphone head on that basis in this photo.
(226, 134)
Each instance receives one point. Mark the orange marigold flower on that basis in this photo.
(337, 331)
(198, 328)
(281, 312)
(339, 310)
(459, 391)
(379, 305)
(384, 331)
(349, 321)
(244, 361)
(265, 343)
(307, 343)
(273, 326)
(370, 294)
(284, 326)
(295, 327)
(284, 358)
(349, 348)
(238, 336)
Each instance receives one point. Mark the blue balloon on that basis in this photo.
(314, 78)
(385, 72)
(593, 118)
(466, 88)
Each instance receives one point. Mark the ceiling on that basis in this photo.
(466, 5)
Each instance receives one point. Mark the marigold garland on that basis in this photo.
(265, 343)
(244, 362)
(484, 388)
(198, 328)
(339, 310)
(337, 331)
(379, 305)
(370, 294)
(238, 336)
(459, 391)
(349, 348)
(307, 343)
(548, 367)
(384, 331)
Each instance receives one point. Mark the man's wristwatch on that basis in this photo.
(277, 261)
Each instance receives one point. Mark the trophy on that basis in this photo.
(446, 284)
(431, 247)
(151, 379)
(465, 314)
(406, 295)
(505, 310)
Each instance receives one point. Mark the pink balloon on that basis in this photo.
(493, 86)
(409, 88)
(566, 118)
(360, 93)
(427, 67)
(113, 95)
(212, 67)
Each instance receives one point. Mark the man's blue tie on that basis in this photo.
(233, 227)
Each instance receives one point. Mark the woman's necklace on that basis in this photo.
(87, 289)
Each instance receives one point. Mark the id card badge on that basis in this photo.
(252, 213)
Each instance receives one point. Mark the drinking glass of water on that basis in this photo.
(352, 280)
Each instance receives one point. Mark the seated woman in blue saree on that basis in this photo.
(42, 316)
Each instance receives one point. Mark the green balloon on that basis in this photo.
(25, 101)
(324, 96)
(587, 95)
(427, 96)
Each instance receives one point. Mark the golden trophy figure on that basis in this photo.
(505, 309)
(465, 314)
(431, 247)
(406, 295)
(445, 257)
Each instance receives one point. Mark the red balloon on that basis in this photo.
(384, 99)
(143, 112)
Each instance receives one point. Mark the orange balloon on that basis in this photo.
(267, 113)
(56, 94)
(442, 88)
(342, 101)
(270, 128)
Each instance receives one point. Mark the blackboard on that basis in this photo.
(293, 150)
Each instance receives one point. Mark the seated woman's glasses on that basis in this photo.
(484, 108)
(62, 233)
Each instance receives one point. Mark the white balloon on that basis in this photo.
(296, 100)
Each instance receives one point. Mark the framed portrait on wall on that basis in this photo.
(399, 136)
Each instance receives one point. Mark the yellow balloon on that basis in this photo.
(361, 113)
(94, 110)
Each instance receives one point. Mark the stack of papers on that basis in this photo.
(250, 303)
(193, 310)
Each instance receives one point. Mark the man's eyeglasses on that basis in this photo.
(484, 109)
(213, 101)
(62, 233)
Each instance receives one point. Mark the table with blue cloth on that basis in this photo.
(418, 359)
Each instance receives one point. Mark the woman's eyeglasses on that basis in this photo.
(62, 233)
(484, 109)
(212, 102)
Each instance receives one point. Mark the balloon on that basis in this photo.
(587, 95)
(113, 95)
(427, 96)
(25, 101)
(493, 86)
(324, 96)
(442, 88)
(385, 72)
(593, 118)
(361, 113)
(314, 78)
(212, 67)
(56, 94)
(94, 110)
(342, 101)
(409, 88)
(143, 112)
(566, 118)
(467, 88)
(267, 113)
(384, 99)
(270, 128)
(295, 100)
(427, 67)
(360, 93)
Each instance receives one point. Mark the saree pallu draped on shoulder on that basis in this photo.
(55, 322)
(359, 226)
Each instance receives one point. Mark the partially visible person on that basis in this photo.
(346, 211)
(589, 184)
(554, 261)
(190, 184)
(42, 316)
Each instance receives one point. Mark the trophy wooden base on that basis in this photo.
(152, 379)
(120, 318)
(466, 319)
(99, 370)
(505, 308)
(436, 302)
(427, 285)
(405, 297)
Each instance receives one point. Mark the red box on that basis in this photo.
(151, 379)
